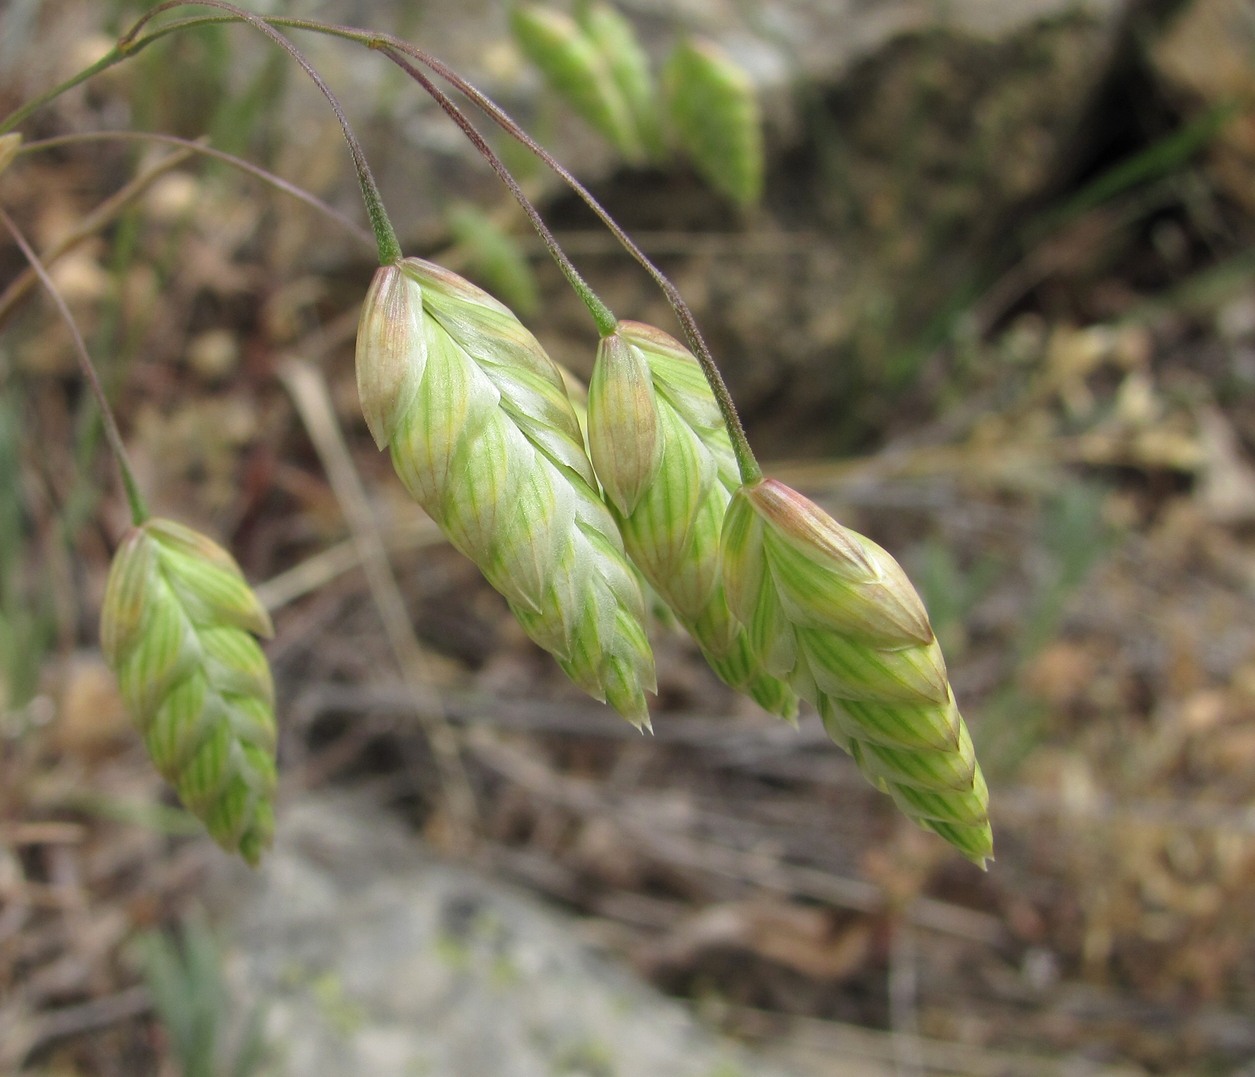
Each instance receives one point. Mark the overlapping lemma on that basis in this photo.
(833, 614)
(177, 627)
(660, 448)
(484, 437)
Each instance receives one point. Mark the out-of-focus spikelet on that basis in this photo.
(620, 48)
(575, 68)
(714, 113)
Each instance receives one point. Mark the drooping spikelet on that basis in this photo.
(483, 436)
(177, 628)
(833, 614)
(662, 453)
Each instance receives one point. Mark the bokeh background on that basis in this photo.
(996, 310)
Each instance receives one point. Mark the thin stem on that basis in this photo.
(113, 56)
(746, 463)
(602, 315)
(389, 248)
(385, 234)
(92, 223)
(277, 182)
(139, 511)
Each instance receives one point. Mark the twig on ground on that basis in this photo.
(908, 1058)
(321, 568)
(87, 1016)
(664, 836)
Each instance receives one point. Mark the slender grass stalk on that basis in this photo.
(602, 315)
(139, 510)
(389, 248)
(105, 213)
(385, 234)
(746, 462)
(195, 146)
(113, 56)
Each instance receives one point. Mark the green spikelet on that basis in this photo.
(833, 614)
(574, 67)
(628, 64)
(663, 456)
(714, 113)
(484, 437)
(177, 628)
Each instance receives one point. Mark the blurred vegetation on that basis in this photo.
(208, 1037)
(1044, 408)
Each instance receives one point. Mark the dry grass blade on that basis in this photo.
(320, 569)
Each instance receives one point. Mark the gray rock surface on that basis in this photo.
(370, 956)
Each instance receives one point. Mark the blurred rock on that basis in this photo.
(369, 955)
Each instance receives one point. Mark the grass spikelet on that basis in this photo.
(833, 614)
(177, 627)
(715, 116)
(679, 486)
(484, 437)
(575, 68)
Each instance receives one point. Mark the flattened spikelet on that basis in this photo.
(662, 453)
(177, 627)
(830, 612)
(488, 443)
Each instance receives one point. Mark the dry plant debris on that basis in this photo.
(1082, 502)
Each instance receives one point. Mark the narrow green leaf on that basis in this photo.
(495, 257)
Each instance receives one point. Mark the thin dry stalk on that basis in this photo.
(666, 837)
